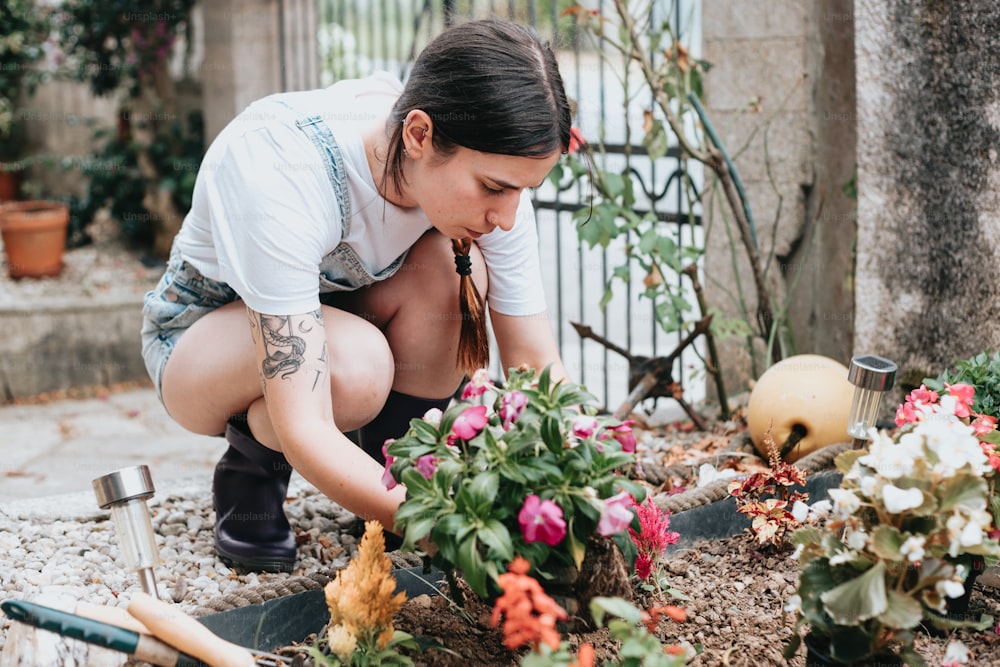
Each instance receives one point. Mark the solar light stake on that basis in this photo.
(125, 492)
(871, 376)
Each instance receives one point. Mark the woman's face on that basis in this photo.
(469, 193)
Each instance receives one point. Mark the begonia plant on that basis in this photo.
(908, 520)
(527, 468)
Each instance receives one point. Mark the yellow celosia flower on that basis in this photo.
(342, 643)
(362, 597)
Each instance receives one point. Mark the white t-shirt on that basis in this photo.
(264, 211)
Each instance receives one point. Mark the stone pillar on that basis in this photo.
(781, 96)
(242, 58)
(928, 248)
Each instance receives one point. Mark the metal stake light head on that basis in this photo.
(125, 492)
(871, 376)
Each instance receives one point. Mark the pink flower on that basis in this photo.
(906, 413)
(511, 406)
(923, 395)
(468, 424)
(984, 424)
(576, 140)
(478, 385)
(616, 514)
(426, 465)
(623, 434)
(584, 426)
(388, 480)
(541, 521)
(963, 395)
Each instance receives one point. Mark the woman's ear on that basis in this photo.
(417, 128)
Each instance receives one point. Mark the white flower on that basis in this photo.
(898, 500)
(955, 654)
(856, 538)
(794, 604)
(841, 557)
(971, 535)
(800, 511)
(949, 588)
(888, 459)
(845, 503)
(952, 442)
(913, 548)
(821, 509)
(433, 416)
(869, 486)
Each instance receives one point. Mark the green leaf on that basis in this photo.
(418, 529)
(496, 536)
(858, 599)
(600, 605)
(886, 541)
(551, 434)
(656, 141)
(963, 490)
(484, 487)
(903, 611)
(472, 566)
(845, 460)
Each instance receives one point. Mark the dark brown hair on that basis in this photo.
(492, 86)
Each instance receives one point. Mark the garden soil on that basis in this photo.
(735, 616)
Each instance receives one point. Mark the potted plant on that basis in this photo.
(526, 469)
(982, 373)
(34, 237)
(906, 523)
(23, 29)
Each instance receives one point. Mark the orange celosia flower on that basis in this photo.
(362, 597)
(529, 614)
(585, 656)
(651, 617)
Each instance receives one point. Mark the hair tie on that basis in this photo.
(463, 265)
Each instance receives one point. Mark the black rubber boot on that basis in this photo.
(392, 422)
(248, 492)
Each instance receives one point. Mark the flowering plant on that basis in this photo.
(905, 524)
(528, 616)
(527, 468)
(362, 600)
(976, 380)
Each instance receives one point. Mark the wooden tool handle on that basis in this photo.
(186, 634)
(112, 615)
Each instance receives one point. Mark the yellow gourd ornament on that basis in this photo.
(806, 402)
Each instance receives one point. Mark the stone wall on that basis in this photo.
(781, 96)
(929, 181)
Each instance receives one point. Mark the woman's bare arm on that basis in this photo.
(291, 353)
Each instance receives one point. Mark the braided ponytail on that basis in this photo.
(473, 341)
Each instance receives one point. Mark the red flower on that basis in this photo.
(653, 537)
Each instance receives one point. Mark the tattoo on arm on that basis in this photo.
(284, 349)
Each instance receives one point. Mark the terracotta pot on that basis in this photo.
(10, 184)
(34, 237)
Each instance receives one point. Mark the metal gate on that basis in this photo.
(357, 37)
